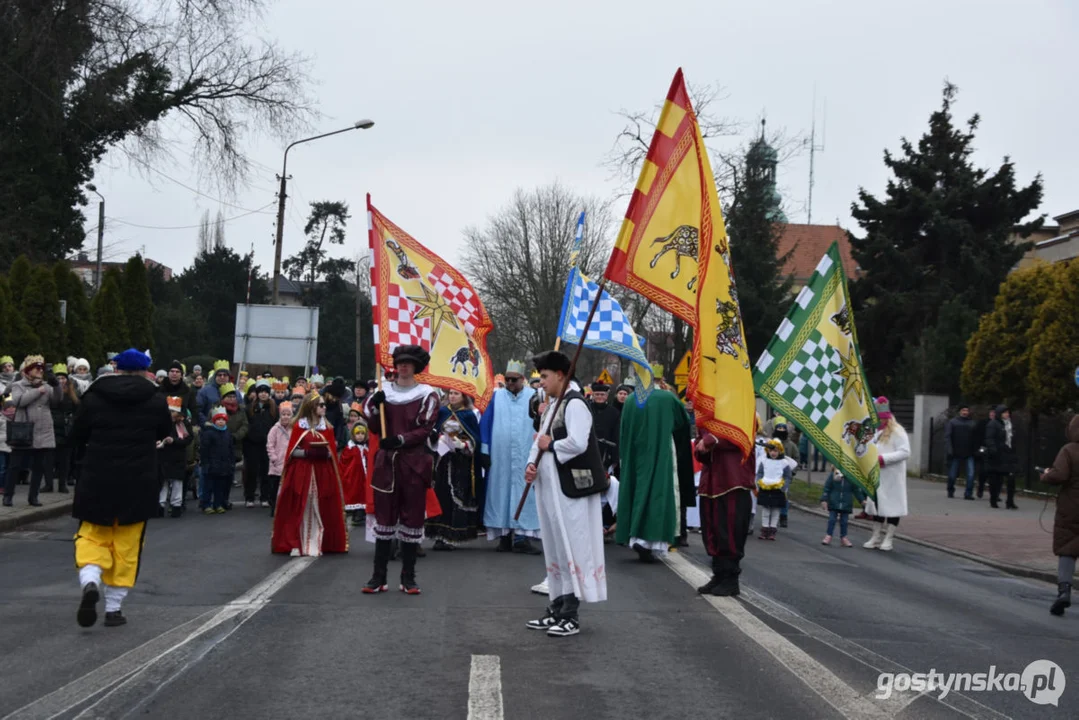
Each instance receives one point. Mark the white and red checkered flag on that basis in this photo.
(401, 324)
(417, 298)
(462, 299)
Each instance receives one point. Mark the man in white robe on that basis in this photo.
(572, 528)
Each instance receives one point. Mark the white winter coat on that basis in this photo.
(892, 493)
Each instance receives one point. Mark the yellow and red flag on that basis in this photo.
(417, 298)
(673, 250)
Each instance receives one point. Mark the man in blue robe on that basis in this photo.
(506, 435)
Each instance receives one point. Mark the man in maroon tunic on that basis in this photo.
(403, 466)
(726, 503)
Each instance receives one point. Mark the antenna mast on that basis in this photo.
(813, 150)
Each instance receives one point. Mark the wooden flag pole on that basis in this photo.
(565, 387)
(381, 405)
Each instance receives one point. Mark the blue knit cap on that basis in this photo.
(131, 360)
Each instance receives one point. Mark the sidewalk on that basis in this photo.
(53, 505)
(1011, 540)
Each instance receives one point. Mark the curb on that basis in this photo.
(943, 480)
(36, 515)
(1017, 570)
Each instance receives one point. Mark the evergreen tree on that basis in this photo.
(325, 226)
(1054, 356)
(83, 336)
(107, 308)
(764, 291)
(19, 279)
(934, 253)
(997, 366)
(18, 339)
(138, 309)
(41, 308)
(215, 284)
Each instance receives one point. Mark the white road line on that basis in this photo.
(845, 699)
(963, 704)
(485, 688)
(136, 676)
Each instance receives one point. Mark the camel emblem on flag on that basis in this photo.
(858, 434)
(405, 268)
(683, 241)
(463, 357)
(729, 332)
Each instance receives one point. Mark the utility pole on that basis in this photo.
(358, 125)
(813, 149)
(100, 233)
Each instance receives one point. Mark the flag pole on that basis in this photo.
(565, 387)
(375, 324)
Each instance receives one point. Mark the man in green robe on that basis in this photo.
(656, 481)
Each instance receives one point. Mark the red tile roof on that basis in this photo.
(809, 243)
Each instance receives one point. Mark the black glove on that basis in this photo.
(485, 462)
(317, 452)
(391, 443)
(377, 399)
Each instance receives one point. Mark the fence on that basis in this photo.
(1036, 440)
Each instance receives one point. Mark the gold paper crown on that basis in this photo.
(657, 370)
(280, 386)
(535, 375)
(221, 365)
(59, 369)
(516, 367)
(226, 389)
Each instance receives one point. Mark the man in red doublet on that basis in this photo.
(403, 466)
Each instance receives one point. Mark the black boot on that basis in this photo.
(728, 586)
(1064, 598)
(718, 568)
(377, 583)
(782, 521)
(408, 569)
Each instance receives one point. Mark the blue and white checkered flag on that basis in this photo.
(610, 330)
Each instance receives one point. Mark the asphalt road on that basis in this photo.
(219, 627)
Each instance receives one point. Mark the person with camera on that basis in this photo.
(30, 430)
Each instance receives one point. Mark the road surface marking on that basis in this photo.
(134, 678)
(845, 699)
(485, 688)
(957, 701)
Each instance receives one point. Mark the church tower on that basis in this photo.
(761, 162)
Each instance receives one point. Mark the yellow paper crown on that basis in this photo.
(657, 370)
(59, 369)
(5, 359)
(247, 385)
(221, 365)
(227, 388)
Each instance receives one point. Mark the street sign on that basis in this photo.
(1077, 376)
(605, 378)
(681, 373)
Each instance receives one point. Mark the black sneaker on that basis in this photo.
(87, 614)
(409, 586)
(375, 585)
(505, 544)
(544, 623)
(644, 554)
(114, 619)
(564, 628)
(782, 521)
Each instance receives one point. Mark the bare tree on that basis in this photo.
(206, 62)
(520, 260)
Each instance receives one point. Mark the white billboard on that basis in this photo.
(276, 335)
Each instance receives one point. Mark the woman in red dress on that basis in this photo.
(310, 514)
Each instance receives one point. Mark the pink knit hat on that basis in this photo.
(884, 408)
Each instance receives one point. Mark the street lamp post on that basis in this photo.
(359, 125)
(100, 234)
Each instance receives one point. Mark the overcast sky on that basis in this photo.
(472, 99)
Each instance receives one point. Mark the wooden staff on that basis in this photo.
(381, 405)
(565, 387)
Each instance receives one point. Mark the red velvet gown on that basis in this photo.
(310, 513)
(354, 464)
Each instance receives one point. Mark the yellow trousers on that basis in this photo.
(116, 550)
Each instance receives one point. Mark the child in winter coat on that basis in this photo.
(276, 447)
(172, 460)
(838, 499)
(773, 475)
(218, 461)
